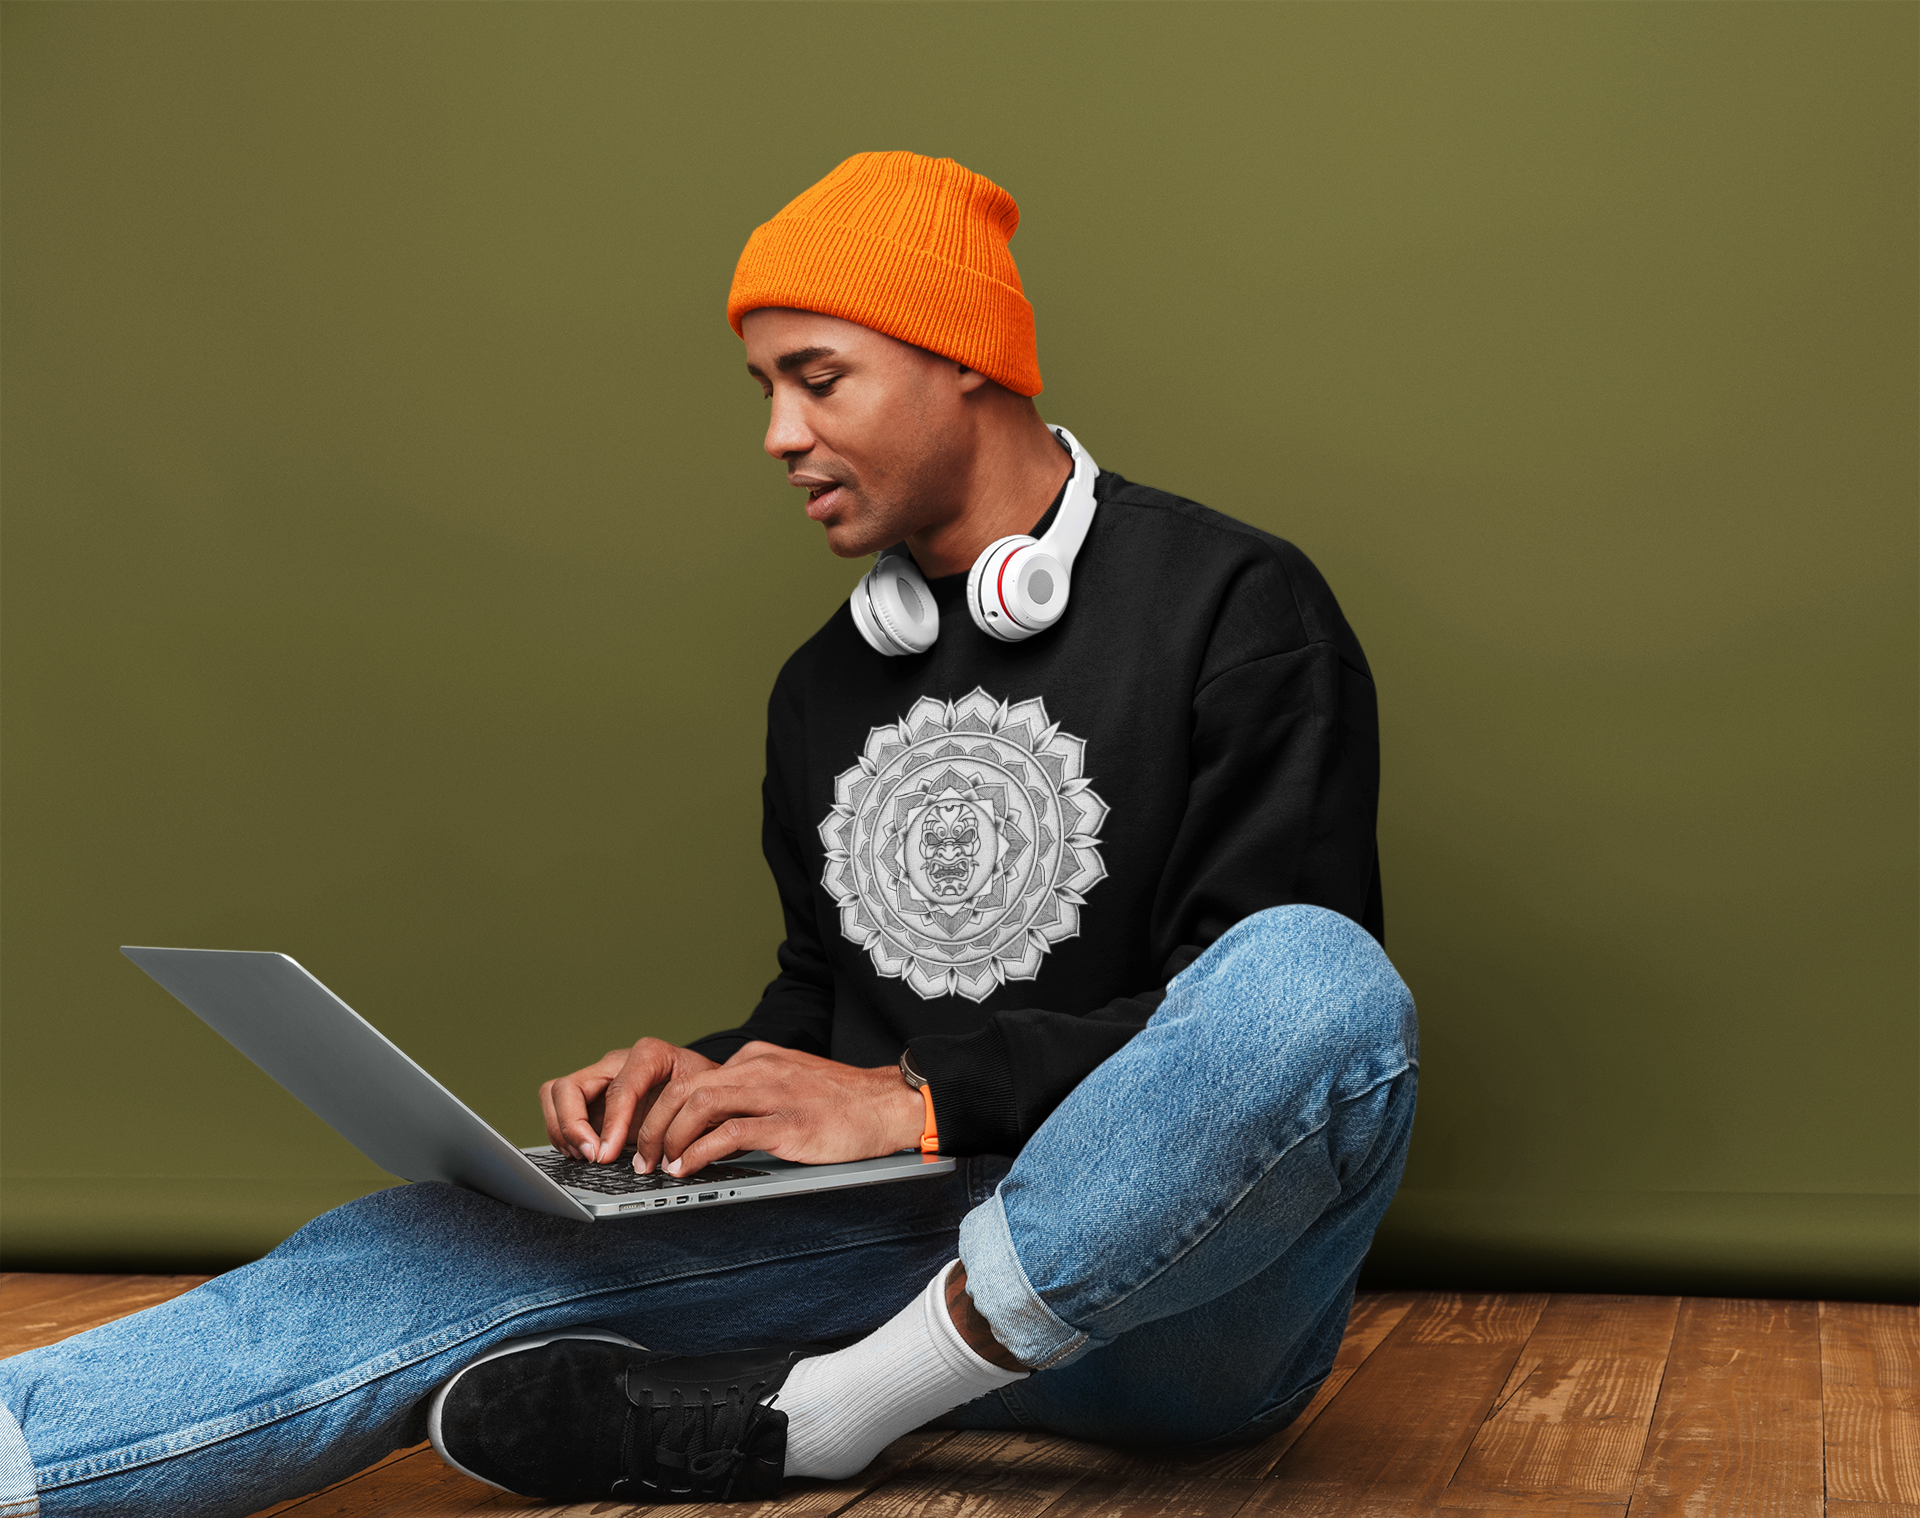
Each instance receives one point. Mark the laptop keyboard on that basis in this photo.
(618, 1178)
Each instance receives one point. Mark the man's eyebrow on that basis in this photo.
(799, 356)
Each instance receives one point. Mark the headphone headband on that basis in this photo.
(1069, 529)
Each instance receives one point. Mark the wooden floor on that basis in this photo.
(1450, 1405)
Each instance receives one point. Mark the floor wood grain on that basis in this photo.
(1439, 1406)
(1870, 1395)
(1737, 1429)
(1397, 1431)
(36, 1310)
(1572, 1420)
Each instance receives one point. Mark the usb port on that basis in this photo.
(709, 1196)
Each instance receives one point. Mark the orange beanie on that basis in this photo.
(913, 247)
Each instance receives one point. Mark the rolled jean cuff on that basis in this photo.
(18, 1490)
(998, 1284)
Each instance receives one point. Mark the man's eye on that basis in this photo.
(821, 387)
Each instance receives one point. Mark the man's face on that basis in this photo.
(874, 430)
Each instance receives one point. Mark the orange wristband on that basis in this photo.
(930, 1140)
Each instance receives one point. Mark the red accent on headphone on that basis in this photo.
(1000, 588)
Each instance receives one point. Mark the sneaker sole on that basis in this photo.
(508, 1347)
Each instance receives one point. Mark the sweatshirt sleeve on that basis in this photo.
(796, 1009)
(1283, 784)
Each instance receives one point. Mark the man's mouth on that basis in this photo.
(824, 499)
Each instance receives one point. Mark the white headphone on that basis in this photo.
(1016, 588)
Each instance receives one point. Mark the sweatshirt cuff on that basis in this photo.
(721, 1047)
(971, 1075)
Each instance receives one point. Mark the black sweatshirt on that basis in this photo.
(1000, 853)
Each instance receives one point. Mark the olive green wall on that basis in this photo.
(392, 577)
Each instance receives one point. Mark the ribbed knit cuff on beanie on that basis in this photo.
(913, 247)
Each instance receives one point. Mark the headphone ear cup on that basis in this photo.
(1034, 588)
(1017, 588)
(893, 609)
(983, 590)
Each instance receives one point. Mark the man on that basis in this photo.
(1075, 846)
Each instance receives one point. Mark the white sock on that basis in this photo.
(844, 1408)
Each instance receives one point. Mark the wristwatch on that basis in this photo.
(910, 1073)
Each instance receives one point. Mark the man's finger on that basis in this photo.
(669, 1103)
(707, 1107)
(735, 1133)
(571, 1094)
(662, 1111)
(547, 1114)
(648, 1064)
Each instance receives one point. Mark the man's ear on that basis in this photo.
(970, 379)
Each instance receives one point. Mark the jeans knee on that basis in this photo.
(1297, 973)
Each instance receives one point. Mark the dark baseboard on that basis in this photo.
(1841, 1246)
(193, 1224)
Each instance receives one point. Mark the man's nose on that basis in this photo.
(787, 430)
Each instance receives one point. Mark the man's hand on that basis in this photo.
(795, 1106)
(590, 1112)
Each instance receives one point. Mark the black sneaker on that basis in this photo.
(586, 1413)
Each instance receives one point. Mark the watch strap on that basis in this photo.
(910, 1073)
(930, 1137)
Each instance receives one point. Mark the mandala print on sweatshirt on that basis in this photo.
(961, 846)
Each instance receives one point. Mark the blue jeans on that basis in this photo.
(1174, 1252)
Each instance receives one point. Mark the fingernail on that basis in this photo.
(672, 1167)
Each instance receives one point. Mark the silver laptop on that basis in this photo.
(356, 1079)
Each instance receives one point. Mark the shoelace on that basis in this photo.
(701, 1441)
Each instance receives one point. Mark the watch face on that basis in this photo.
(910, 1070)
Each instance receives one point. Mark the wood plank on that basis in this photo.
(1737, 1429)
(414, 1474)
(26, 1293)
(61, 1316)
(22, 1288)
(1157, 1496)
(1873, 1510)
(1392, 1438)
(989, 1475)
(1572, 1420)
(1536, 1507)
(1870, 1363)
